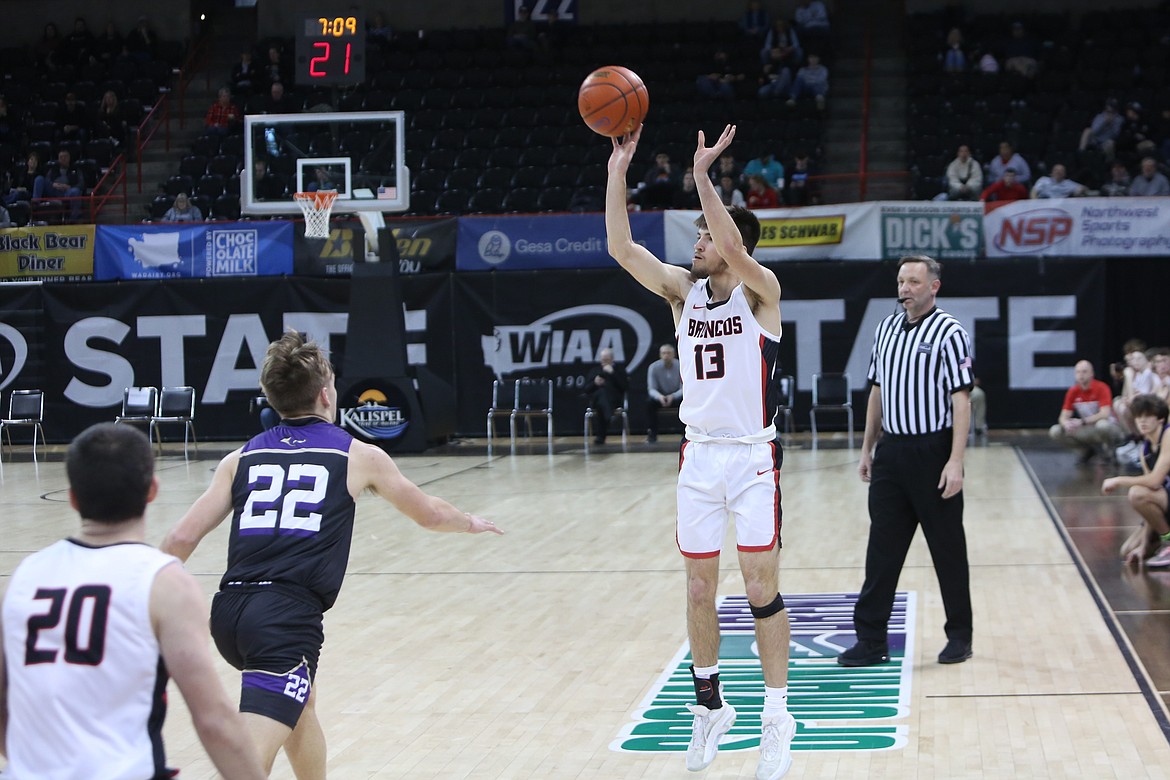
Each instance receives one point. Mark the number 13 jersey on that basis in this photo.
(727, 362)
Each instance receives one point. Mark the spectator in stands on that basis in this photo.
(108, 46)
(775, 77)
(11, 124)
(1086, 420)
(79, 43)
(812, 23)
(1058, 185)
(1138, 379)
(1150, 181)
(767, 166)
(727, 166)
(1118, 184)
(109, 121)
(985, 62)
(664, 386)
(323, 180)
(755, 22)
(605, 391)
(5, 219)
(1102, 132)
(760, 194)
(142, 41)
(73, 119)
(1160, 361)
(954, 59)
(23, 179)
(720, 80)
(1005, 189)
(552, 36)
(687, 197)
(224, 115)
(275, 69)
(661, 182)
(521, 33)
(244, 74)
(781, 36)
(1008, 158)
(1021, 52)
(964, 176)
(812, 79)
(729, 193)
(61, 180)
(1135, 138)
(265, 186)
(277, 101)
(183, 210)
(799, 189)
(48, 49)
(378, 30)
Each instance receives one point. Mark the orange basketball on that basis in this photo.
(613, 101)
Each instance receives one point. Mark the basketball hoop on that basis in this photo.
(316, 207)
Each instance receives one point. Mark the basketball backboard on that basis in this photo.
(360, 154)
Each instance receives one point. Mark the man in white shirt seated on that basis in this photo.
(1057, 185)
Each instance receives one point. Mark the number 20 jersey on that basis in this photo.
(293, 519)
(727, 362)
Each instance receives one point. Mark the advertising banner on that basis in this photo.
(209, 249)
(333, 256)
(424, 245)
(511, 243)
(61, 253)
(1079, 227)
(946, 230)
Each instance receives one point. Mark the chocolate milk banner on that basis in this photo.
(83, 343)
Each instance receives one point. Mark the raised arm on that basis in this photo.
(371, 467)
(208, 511)
(724, 234)
(659, 278)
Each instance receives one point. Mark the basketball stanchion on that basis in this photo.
(316, 206)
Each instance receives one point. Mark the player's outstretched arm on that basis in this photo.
(208, 511)
(656, 276)
(178, 613)
(371, 467)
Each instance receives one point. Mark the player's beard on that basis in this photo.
(697, 275)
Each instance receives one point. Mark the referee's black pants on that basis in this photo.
(903, 494)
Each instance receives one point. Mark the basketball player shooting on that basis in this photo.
(727, 319)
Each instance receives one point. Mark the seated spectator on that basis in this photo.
(277, 101)
(1005, 189)
(1008, 158)
(1103, 130)
(661, 182)
(11, 123)
(727, 166)
(812, 79)
(265, 186)
(323, 180)
(964, 176)
(985, 62)
(23, 179)
(767, 166)
(552, 36)
(1160, 362)
(73, 118)
(142, 41)
(1138, 379)
(183, 210)
(521, 33)
(108, 46)
(605, 391)
(1086, 420)
(5, 219)
(109, 121)
(1118, 184)
(812, 24)
(687, 197)
(47, 49)
(244, 74)
(1147, 492)
(1150, 181)
(223, 116)
(781, 36)
(720, 79)
(78, 44)
(760, 193)
(1021, 52)
(274, 69)
(954, 60)
(1058, 185)
(755, 22)
(379, 31)
(729, 194)
(61, 180)
(799, 189)
(1135, 137)
(775, 78)
(664, 385)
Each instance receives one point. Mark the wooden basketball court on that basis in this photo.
(532, 654)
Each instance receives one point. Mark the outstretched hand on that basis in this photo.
(706, 155)
(623, 150)
(478, 525)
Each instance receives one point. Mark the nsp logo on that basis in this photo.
(1033, 231)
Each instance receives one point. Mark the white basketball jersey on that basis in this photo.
(727, 362)
(86, 682)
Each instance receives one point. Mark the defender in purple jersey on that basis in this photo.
(290, 494)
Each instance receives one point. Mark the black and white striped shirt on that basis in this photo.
(917, 367)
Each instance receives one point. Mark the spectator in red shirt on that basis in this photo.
(760, 194)
(1086, 419)
(224, 115)
(1006, 188)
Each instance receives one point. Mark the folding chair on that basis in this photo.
(139, 405)
(622, 412)
(176, 405)
(534, 398)
(785, 393)
(503, 402)
(831, 392)
(25, 407)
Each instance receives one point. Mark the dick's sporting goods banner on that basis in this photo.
(83, 343)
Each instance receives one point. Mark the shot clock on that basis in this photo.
(330, 51)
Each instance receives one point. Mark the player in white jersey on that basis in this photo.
(727, 317)
(92, 626)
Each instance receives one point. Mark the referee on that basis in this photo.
(916, 425)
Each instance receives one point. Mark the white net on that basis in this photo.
(316, 206)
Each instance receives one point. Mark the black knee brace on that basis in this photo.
(767, 611)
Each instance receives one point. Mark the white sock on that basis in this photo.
(706, 672)
(775, 701)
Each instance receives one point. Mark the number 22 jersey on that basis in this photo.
(727, 362)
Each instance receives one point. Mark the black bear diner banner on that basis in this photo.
(83, 343)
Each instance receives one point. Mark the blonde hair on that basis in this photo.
(293, 374)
